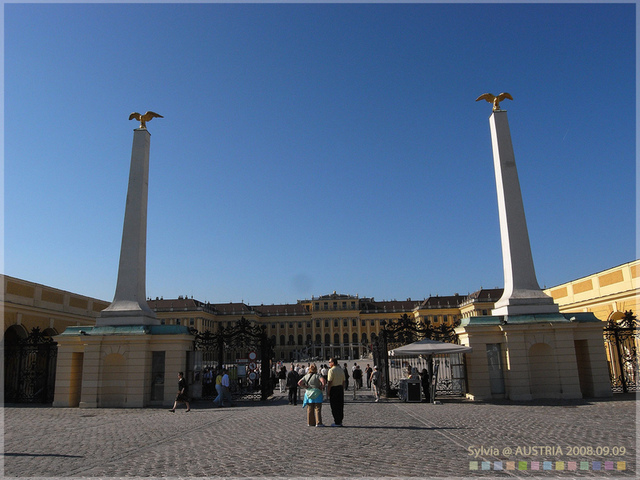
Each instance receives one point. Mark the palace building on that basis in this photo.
(340, 325)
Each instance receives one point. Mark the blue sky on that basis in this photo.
(307, 148)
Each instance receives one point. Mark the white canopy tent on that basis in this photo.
(428, 347)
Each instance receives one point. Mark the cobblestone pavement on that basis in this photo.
(379, 440)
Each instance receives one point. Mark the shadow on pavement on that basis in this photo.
(40, 455)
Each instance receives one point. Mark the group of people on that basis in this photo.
(315, 384)
(331, 380)
(222, 386)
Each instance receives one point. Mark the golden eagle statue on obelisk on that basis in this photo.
(489, 97)
(144, 118)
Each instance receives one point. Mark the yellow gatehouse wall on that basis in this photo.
(111, 367)
(551, 356)
(607, 294)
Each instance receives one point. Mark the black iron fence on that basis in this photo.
(30, 369)
(245, 350)
(621, 340)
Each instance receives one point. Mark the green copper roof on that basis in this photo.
(580, 317)
(129, 330)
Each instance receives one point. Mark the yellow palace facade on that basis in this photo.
(340, 325)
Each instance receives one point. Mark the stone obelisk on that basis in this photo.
(522, 294)
(129, 306)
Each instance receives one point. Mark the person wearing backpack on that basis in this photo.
(314, 384)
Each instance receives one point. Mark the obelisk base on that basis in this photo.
(524, 302)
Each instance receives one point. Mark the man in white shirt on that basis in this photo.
(226, 392)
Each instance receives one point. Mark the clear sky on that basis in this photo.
(307, 148)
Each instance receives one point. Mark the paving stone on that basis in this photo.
(389, 439)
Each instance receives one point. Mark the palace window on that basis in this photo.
(327, 339)
(336, 338)
(345, 338)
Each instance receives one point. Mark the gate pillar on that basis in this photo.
(111, 366)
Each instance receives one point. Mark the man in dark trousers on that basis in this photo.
(367, 373)
(292, 385)
(335, 390)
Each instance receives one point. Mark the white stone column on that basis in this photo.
(522, 294)
(129, 306)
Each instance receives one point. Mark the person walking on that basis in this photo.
(346, 377)
(219, 400)
(375, 383)
(357, 379)
(182, 393)
(335, 391)
(282, 377)
(292, 385)
(313, 383)
(356, 374)
(226, 389)
(368, 371)
(425, 381)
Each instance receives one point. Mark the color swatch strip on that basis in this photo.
(555, 466)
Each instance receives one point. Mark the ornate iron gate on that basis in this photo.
(403, 331)
(224, 346)
(621, 339)
(30, 369)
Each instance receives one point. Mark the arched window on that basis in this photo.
(345, 338)
(308, 338)
(291, 340)
(300, 339)
(318, 339)
(273, 340)
(354, 337)
(364, 338)
(336, 338)
(282, 341)
(327, 339)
